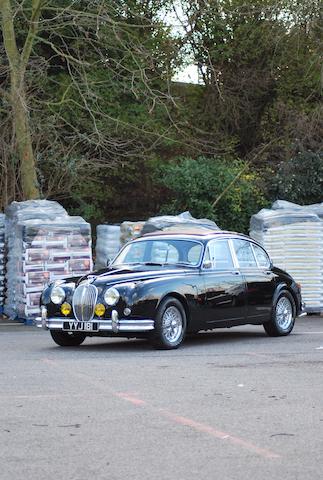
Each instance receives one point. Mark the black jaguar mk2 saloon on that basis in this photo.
(164, 285)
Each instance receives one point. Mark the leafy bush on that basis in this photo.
(300, 179)
(194, 185)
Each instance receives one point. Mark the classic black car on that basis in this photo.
(164, 285)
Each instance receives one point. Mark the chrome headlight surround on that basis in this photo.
(57, 295)
(111, 296)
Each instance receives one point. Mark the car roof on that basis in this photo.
(196, 233)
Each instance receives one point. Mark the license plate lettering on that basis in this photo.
(80, 326)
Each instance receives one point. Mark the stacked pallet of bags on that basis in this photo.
(110, 238)
(2, 259)
(44, 244)
(130, 231)
(293, 237)
(107, 244)
(178, 222)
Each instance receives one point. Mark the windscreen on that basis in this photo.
(161, 252)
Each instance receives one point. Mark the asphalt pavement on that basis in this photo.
(230, 404)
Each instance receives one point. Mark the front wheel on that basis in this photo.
(282, 317)
(170, 324)
(67, 339)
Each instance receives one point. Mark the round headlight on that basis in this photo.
(57, 295)
(111, 296)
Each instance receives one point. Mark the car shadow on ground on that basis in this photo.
(135, 345)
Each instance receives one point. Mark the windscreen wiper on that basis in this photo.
(153, 264)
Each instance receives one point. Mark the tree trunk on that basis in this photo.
(20, 117)
(20, 123)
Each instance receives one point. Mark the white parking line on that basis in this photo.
(308, 333)
(11, 324)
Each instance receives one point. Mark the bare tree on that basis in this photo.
(74, 39)
(18, 61)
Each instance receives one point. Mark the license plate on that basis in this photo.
(81, 326)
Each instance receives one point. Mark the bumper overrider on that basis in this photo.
(114, 325)
(302, 312)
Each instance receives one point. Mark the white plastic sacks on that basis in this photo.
(293, 236)
(183, 220)
(110, 238)
(44, 244)
(107, 244)
(130, 231)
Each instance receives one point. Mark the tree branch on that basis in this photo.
(9, 37)
(33, 28)
(62, 54)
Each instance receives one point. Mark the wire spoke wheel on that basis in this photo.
(172, 324)
(282, 318)
(284, 313)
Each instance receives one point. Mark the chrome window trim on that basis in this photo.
(233, 253)
(228, 240)
(206, 239)
(267, 267)
(164, 237)
(254, 256)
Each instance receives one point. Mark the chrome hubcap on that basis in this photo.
(284, 313)
(172, 324)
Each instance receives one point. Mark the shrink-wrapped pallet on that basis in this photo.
(177, 222)
(316, 208)
(46, 246)
(107, 244)
(129, 231)
(293, 237)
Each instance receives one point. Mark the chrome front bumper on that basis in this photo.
(115, 325)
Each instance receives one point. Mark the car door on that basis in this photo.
(225, 289)
(255, 266)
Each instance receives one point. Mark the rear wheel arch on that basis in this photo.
(281, 319)
(296, 301)
(281, 288)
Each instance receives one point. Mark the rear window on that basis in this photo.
(261, 256)
(244, 254)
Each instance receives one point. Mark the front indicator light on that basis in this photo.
(66, 308)
(99, 310)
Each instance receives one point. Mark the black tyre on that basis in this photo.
(282, 316)
(170, 324)
(67, 339)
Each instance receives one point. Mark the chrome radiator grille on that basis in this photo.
(84, 300)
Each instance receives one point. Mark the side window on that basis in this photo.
(220, 255)
(194, 254)
(244, 254)
(261, 256)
